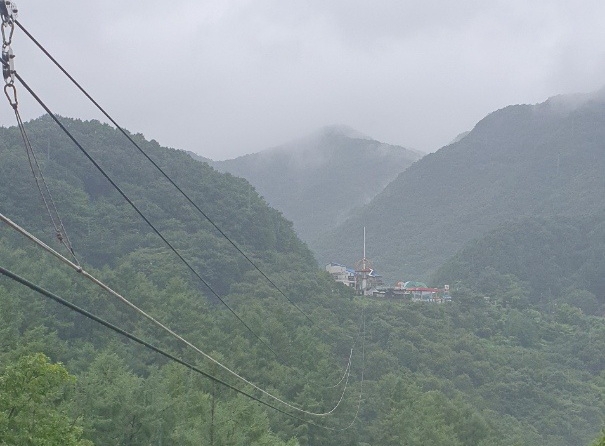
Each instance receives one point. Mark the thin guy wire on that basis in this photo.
(55, 218)
(150, 346)
(96, 281)
(363, 362)
(138, 211)
(344, 374)
(363, 367)
(162, 172)
(348, 365)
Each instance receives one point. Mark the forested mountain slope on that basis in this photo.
(473, 373)
(318, 180)
(549, 258)
(104, 227)
(113, 242)
(521, 161)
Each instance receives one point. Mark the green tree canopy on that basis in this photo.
(32, 409)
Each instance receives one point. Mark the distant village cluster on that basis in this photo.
(367, 282)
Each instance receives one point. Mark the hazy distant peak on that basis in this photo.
(340, 130)
(566, 103)
(318, 139)
(562, 105)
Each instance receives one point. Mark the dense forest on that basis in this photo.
(552, 259)
(508, 370)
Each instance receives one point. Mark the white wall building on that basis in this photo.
(341, 273)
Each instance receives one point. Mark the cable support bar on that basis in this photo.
(102, 110)
(138, 211)
(150, 346)
(156, 322)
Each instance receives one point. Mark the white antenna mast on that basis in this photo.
(363, 268)
(364, 247)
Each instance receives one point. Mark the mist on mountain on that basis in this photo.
(316, 181)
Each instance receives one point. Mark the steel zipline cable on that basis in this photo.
(135, 208)
(154, 348)
(79, 269)
(102, 110)
(139, 212)
(41, 47)
(159, 324)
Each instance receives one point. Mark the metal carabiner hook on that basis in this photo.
(6, 42)
(11, 100)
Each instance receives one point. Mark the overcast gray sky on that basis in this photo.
(227, 77)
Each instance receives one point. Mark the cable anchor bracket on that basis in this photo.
(8, 65)
(8, 11)
(8, 14)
